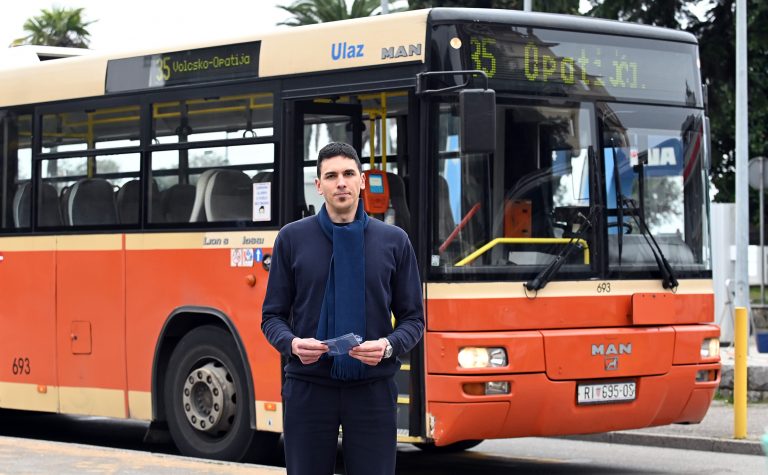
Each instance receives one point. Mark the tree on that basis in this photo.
(666, 13)
(57, 27)
(309, 12)
(717, 45)
(717, 49)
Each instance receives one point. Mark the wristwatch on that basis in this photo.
(388, 349)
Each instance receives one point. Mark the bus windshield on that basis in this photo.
(654, 177)
(598, 143)
(524, 202)
(512, 212)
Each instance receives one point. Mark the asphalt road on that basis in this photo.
(26, 450)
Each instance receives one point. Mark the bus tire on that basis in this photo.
(459, 446)
(206, 400)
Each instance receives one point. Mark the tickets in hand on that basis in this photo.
(342, 344)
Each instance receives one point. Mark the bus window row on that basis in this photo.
(218, 195)
(189, 120)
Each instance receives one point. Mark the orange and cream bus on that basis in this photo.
(551, 172)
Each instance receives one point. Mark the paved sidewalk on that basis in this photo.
(19, 455)
(714, 434)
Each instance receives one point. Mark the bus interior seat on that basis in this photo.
(176, 203)
(128, 202)
(92, 202)
(49, 206)
(399, 201)
(155, 200)
(229, 196)
(49, 214)
(198, 206)
(22, 205)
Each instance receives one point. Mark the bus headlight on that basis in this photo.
(475, 357)
(710, 348)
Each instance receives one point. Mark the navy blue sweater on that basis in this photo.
(296, 288)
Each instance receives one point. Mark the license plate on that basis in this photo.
(604, 393)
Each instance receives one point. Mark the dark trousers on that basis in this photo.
(367, 414)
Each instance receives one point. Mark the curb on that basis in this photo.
(742, 447)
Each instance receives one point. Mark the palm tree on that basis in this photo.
(308, 12)
(57, 27)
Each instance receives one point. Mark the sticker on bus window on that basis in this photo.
(262, 201)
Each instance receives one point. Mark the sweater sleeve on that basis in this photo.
(276, 310)
(407, 302)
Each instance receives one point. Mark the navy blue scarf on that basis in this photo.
(346, 285)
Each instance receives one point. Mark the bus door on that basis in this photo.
(314, 124)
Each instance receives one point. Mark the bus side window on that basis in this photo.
(16, 157)
(214, 180)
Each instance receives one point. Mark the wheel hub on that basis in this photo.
(208, 398)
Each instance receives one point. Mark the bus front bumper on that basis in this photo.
(538, 406)
(541, 392)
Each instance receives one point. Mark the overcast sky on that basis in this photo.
(127, 24)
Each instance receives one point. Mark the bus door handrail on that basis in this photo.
(494, 242)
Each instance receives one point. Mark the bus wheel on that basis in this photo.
(459, 446)
(206, 400)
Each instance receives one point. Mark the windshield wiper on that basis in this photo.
(667, 274)
(576, 243)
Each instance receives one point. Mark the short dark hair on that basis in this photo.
(335, 149)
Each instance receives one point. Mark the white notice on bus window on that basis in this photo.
(262, 201)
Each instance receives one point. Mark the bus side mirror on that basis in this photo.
(477, 112)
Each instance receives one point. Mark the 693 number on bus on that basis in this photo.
(21, 366)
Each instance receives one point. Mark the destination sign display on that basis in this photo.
(218, 63)
(572, 63)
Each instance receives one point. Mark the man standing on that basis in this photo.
(332, 274)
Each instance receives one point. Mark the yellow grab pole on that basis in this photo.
(740, 375)
(371, 136)
(384, 132)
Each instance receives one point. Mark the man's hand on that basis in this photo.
(308, 350)
(369, 352)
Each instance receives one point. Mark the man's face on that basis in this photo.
(340, 183)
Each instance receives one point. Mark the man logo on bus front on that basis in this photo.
(611, 353)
